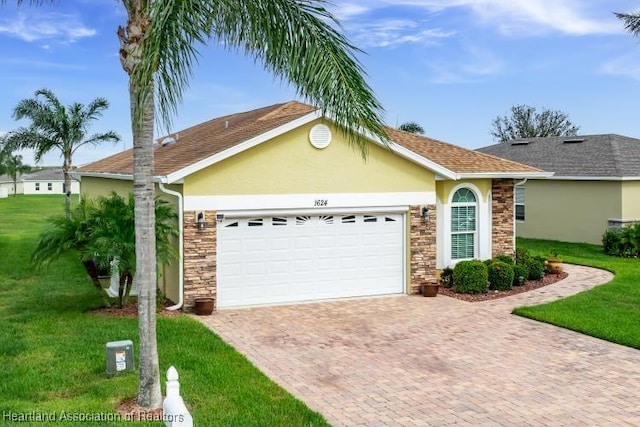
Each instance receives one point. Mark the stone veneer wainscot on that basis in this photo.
(502, 211)
(423, 248)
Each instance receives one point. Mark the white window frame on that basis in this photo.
(49, 186)
(484, 226)
(516, 204)
(476, 206)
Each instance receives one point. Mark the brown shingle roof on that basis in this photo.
(206, 139)
(214, 136)
(454, 158)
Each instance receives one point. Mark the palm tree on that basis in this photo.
(114, 237)
(12, 165)
(102, 231)
(294, 39)
(71, 233)
(412, 127)
(56, 127)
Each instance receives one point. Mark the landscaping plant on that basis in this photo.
(520, 274)
(500, 276)
(470, 277)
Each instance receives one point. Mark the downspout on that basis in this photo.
(180, 246)
(514, 210)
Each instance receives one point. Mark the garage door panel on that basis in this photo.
(307, 257)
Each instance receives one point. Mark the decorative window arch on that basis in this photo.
(464, 224)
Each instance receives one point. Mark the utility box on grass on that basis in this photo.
(119, 357)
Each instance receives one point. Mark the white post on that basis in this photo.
(174, 410)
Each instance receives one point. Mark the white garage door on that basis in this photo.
(272, 259)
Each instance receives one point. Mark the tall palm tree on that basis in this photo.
(412, 127)
(296, 40)
(56, 127)
(12, 165)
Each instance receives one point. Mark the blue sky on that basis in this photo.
(450, 65)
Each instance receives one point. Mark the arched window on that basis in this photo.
(464, 224)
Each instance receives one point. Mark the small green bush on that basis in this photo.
(470, 277)
(622, 242)
(500, 276)
(520, 274)
(446, 277)
(504, 258)
(522, 256)
(487, 262)
(536, 269)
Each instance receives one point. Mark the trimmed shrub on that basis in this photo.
(500, 276)
(520, 274)
(446, 277)
(622, 242)
(522, 256)
(504, 258)
(536, 269)
(470, 277)
(487, 262)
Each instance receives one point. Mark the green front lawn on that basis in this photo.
(610, 311)
(52, 353)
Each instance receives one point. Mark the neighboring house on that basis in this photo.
(596, 185)
(7, 186)
(276, 207)
(47, 181)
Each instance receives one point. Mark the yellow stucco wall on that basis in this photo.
(571, 211)
(289, 164)
(444, 188)
(631, 200)
(92, 187)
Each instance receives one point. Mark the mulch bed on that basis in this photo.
(529, 285)
(131, 411)
(131, 310)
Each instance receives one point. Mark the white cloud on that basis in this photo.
(395, 32)
(626, 66)
(34, 27)
(479, 65)
(345, 11)
(520, 17)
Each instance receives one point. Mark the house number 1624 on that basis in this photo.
(321, 202)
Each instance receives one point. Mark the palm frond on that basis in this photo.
(631, 22)
(294, 39)
(98, 138)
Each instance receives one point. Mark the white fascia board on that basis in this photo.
(476, 175)
(236, 149)
(422, 161)
(317, 202)
(395, 147)
(124, 177)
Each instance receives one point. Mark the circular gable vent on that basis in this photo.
(320, 136)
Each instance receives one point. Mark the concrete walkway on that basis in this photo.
(415, 361)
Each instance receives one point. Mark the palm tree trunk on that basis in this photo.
(149, 394)
(66, 166)
(92, 270)
(131, 51)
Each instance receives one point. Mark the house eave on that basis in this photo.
(504, 175)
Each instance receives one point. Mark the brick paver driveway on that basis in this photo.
(440, 361)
